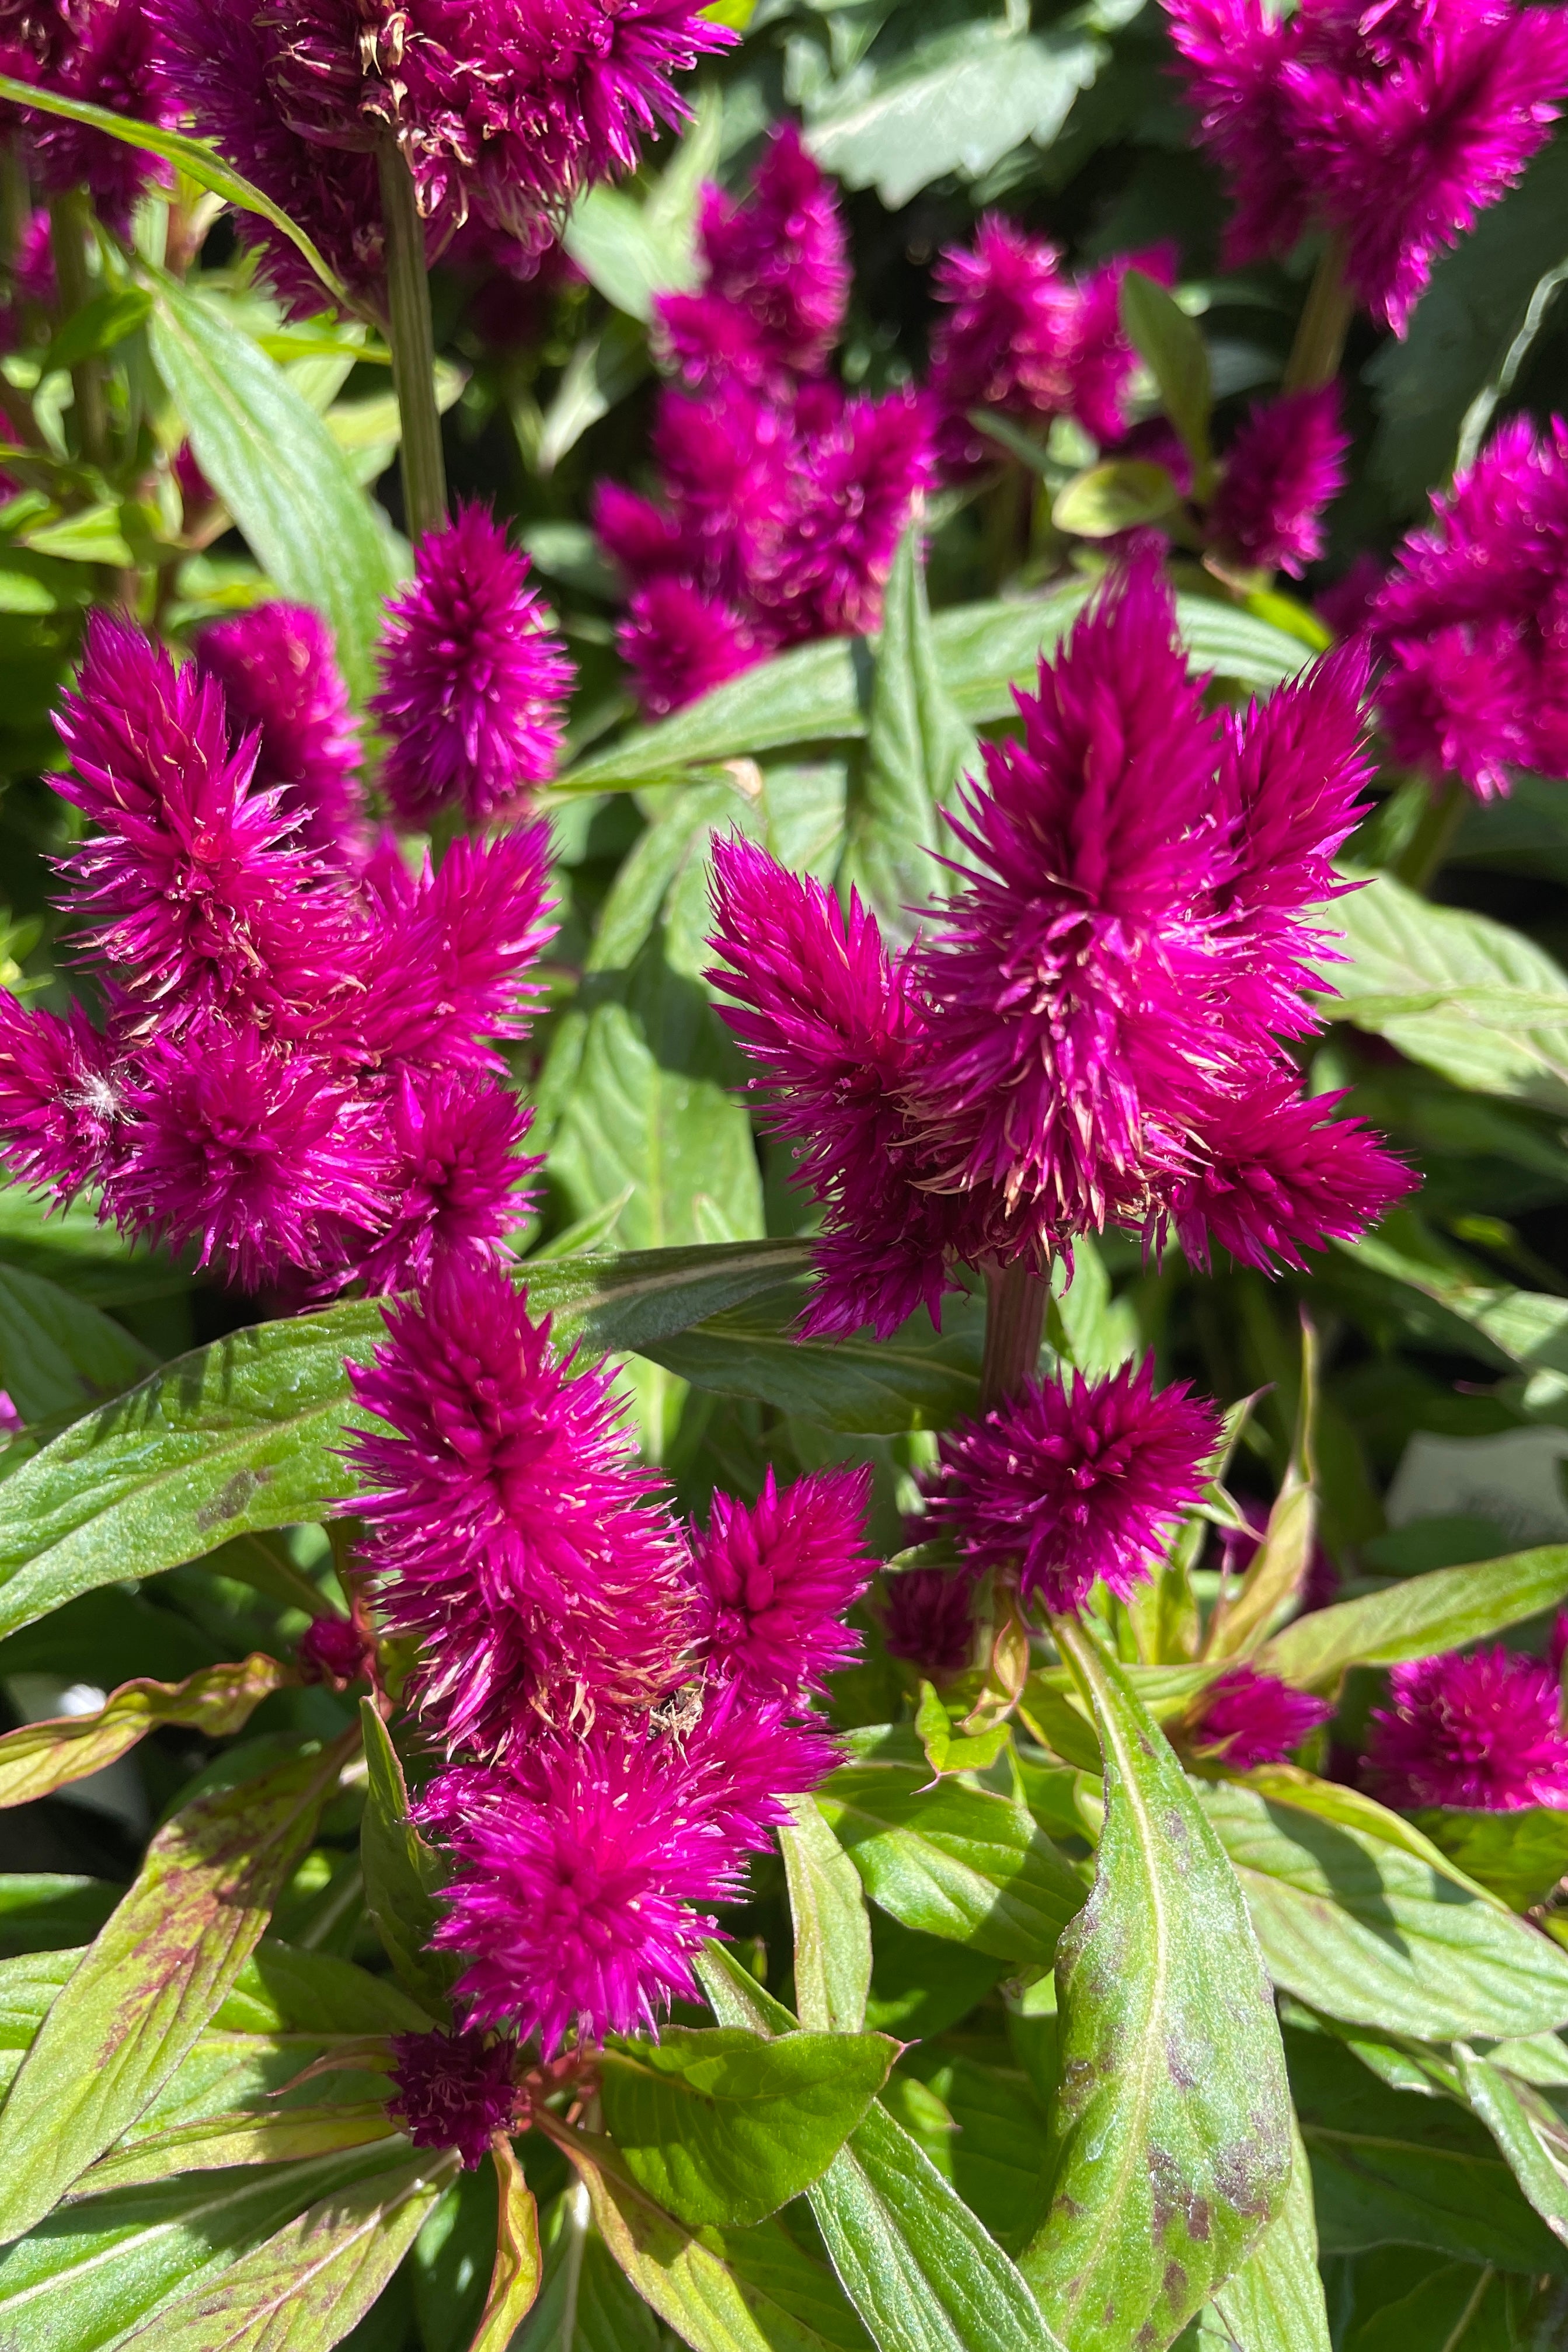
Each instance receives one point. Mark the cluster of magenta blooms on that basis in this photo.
(298, 1067)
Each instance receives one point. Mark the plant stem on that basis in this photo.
(1016, 1299)
(413, 338)
(1323, 325)
(68, 227)
(1431, 843)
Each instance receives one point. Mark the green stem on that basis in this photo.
(69, 225)
(1323, 325)
(1433, 838)
(413, 339)
(1014, 1318)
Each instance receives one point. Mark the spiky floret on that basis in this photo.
(1245, 1717)
(928, 1617)
(60, 1104)
(678, 644)
(1484, 1731)
(1074, 1483)
(278, 672)
(1285, 466)
(455, 1160)
(1280, 1175)
(511, 1533)
(473, 683)
(453, 2090)
(777, 1577)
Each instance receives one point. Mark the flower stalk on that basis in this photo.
(1433, 838)
(413, 339)
(68, 227)
(1324, 323)
(1016, 1299)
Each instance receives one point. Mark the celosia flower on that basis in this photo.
(1074, 1485)
(511, 1530)
(776, 1579)
(260, 1156)
(332, 1649)
(278, 673)
(929, 1616)
(680, 645)
(453, 2090)
(1245, 1717)
(1472, 621)
(860, 475)
(473, 683)
(1285, 466)
(587, 1868)
(59, 1105)
(775, 277)
(1282, 1175)
(1484, 1731)
(1393, 126)
(454, 1161)
(107, 58)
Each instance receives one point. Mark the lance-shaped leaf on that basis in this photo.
(246, 1434)
(1519, 1856)
(953, 1861)
(1170, 2133)
(1418, 1617)
(514, 2281)
(306, 2287)
(832, 1932)
(143, 1991)
(1275, 2301)
(726, 2126)
(58, 1353)
(218, 1701)
(1528, 2130)
(282, 2135)
(400, 1873)
(919, 1379)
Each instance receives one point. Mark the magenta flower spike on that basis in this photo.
(104, 53)
(453, 2090)
(278, 672)
(929, 1618)
(1393, 127)
(60, 1106)
(1245, 1717)
(455, 1163)
(1471, 625)
(473, 683)
(1284, 468)
(1074, 1485)
(777, 1577)
(1484, 1731)
(678, 644)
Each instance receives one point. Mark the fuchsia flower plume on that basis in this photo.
(1284, 468)
(778, 1578)
(453, 2090)
(1245, 1717)
(1484, 1730)
(103, 53)
(278, 672)
(929, 1619)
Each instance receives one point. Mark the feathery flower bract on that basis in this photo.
(678, 645)
(331, 1649)
(105, 53)
(1074, 1485)
(1484, 1731)
(777, 1576)
(59, 1104)
(278, 673)
(453, 2090)
(1284, 468)
(454, 1161)
(472, 682)
(1282, 1174)
(1245, 1717)
(929, 1619)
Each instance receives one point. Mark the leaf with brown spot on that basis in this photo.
(42, 1757)
(143, 1991)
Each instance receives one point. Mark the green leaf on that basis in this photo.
(920, 1378)
(145, 1988)
(1118, 496)
(920, 1984)
(194, 157)
(726, 2127)
(278, 471)
(823, 692)
(952, 1861)
(626, 253)
(1461, 994)
(993, 2149)
(1171, 2135)
(42, 1909)
(400, 1873)
(97, 326)
(245, 1434)
(1365, 1930)
(94, 2270)
(1528, 2129)
(514, 2281)
(217, 1702)
(1177, 357)
(917, 748)
(603, 368)
(57, 1354)
(749, 2291)
(308, 2285)
(1521, 1856)
(214, 2143)
(832, 1932)
(1274, 2303)
(1418, 1617)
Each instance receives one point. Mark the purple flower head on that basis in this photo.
(1471, 625)
(104, 55)
(777, 1577)
(1245, 1717)
(473, 683)
(1285, 466)
(453, 2090)
(1394, 125)
(261, 1156)
(512, 1532)
(512, 108)
(279, 673)
(332, 1649)
(1104, 362)
(1282, 1175)
(188, 879)
(454, 1162)
(1074, 1483)
(776, 278)
(928, 1617)
(747, 1753)
(834, 1030)
(1346, 605)
(60, 1102)
(857, 482)
(1484, 1731)
(678, 645)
